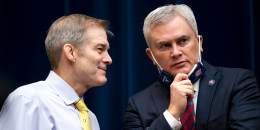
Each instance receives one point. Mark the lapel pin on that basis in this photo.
(211, 82)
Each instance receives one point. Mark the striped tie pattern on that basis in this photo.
(188, 117)
(83, 114)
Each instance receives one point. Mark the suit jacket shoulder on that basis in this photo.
(231, 102)
(145, 109)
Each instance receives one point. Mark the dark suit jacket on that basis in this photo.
(232, 102)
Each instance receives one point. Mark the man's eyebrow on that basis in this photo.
(177, 39)
(184, 37)
(163, 42)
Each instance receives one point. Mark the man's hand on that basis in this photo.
(181, 91)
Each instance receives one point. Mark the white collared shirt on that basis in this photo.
(176, 124)
(44, 105)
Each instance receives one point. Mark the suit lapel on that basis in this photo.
(161, 97)
(206, 93)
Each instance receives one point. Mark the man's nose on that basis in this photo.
(176, 51)
(107, 59)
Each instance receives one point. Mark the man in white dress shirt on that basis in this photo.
(77, 49)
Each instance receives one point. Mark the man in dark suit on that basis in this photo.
(190, 93)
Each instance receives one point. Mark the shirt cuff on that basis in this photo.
(175, 124)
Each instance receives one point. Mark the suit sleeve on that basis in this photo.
(136, 120)
(245, 104)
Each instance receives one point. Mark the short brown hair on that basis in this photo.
(69, 29)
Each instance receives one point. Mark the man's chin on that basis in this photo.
(183, 71)
(102, 81)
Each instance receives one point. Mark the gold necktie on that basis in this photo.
(83, 114)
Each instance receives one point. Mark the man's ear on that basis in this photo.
(148, 52)
(201, 40)
(69, 52)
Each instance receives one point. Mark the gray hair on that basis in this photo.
(164, 13)
(70, 29)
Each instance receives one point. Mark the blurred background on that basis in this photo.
(230, 30)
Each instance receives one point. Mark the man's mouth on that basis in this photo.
(103, 68)
(180, 63)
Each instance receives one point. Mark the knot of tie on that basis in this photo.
(80, 105)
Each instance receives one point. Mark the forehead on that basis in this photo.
(96, 35)
(175, 27)
(95, 32)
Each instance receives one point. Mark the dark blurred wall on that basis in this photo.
(230, 30)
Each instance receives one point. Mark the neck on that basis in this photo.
(72, 81)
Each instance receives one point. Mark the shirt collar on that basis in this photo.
(196, 85)
(65, 91)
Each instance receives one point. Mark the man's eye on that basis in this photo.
(183, 42)
(165, 45)
(100, 49)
